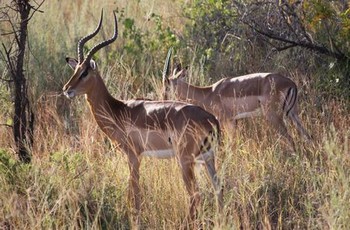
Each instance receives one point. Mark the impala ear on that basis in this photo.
(184, 72)
(93, 64)
(177, 69)
(72, 62)
(166, 81)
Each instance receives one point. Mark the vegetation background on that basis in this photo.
(77, 179)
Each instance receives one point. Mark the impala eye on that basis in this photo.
(84, 74)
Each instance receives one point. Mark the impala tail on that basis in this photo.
(290, 100)
(210, 140)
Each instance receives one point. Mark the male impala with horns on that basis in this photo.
(139, 128)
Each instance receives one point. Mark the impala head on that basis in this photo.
(85, 69)
(170, 80)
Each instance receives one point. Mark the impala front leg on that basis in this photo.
(134, 187)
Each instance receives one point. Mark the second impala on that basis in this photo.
(260, 94)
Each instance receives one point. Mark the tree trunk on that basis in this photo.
(23, 121)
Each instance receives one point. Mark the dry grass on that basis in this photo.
(79, 180)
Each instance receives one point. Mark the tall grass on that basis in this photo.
(79, 180)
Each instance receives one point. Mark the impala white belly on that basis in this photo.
(255, 113)
(242, 107)
(160, 154)
(152, 143)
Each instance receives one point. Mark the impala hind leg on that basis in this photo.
(134, 190)
(210, 166)
(208, 160)
(296, 121)
(188, 176)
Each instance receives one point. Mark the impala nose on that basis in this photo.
(69, 93)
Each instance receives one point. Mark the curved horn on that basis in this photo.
(104, 43)
(87, 38)
(166, 64)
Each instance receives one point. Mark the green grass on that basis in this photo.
(79, 180)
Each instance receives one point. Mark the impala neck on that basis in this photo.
(99, 94)
(195, 94)
(103, 106)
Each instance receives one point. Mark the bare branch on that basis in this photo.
(282, 22)
(6, 125)
(8, 33)
(283, 48)
(13, 27)
(6, 80)
(311, 46)
(36, 9)
(8, 58)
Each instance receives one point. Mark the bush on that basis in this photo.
(241, 37)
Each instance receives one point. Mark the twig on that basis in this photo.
(6, 125)
(36, 9)
(8, 58)
(311, 46)
(6, 80)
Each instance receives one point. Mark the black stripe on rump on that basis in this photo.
(290, 100)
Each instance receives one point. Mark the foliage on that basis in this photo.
(329, 23)
(212, 31)
(233, 34)
(210, 22)
(152, 44)
(8, 167)
(138, 41)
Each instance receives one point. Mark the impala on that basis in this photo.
(271, 95)
(160, 129)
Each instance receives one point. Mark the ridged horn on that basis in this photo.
(83, 40)
(167, 64)
(106, 42)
